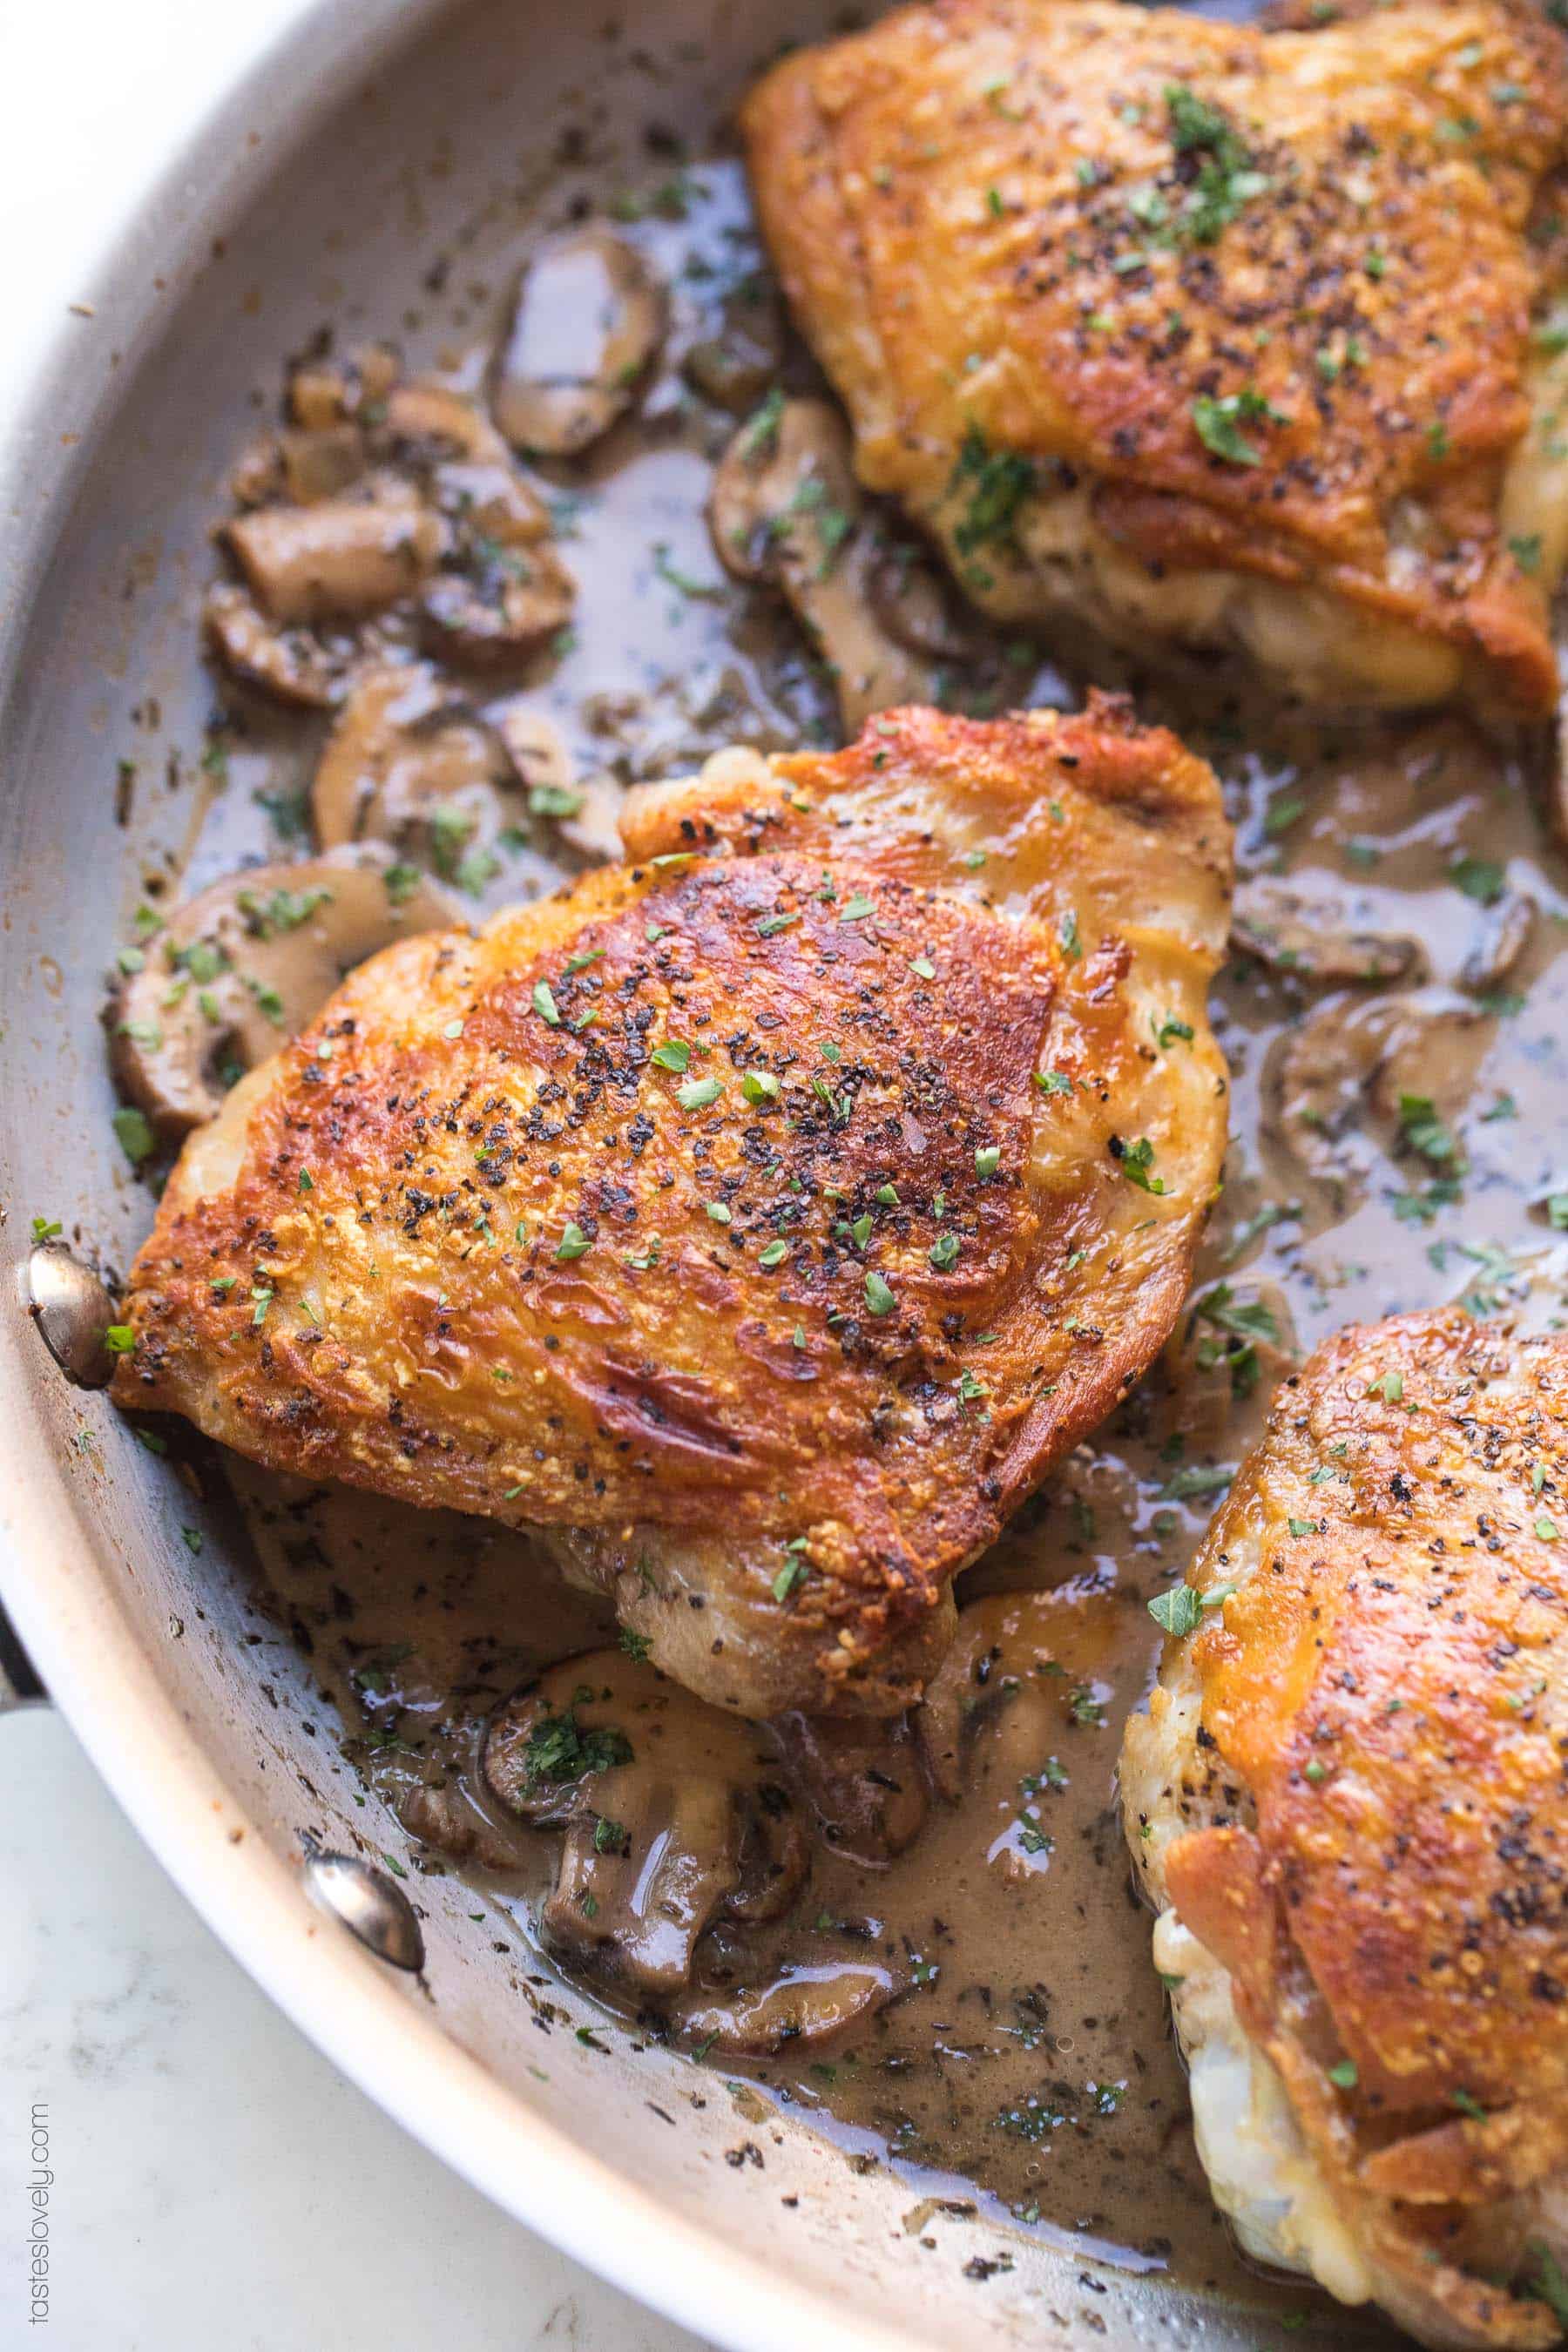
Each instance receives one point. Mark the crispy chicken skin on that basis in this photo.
(1348, 1800)
(1209, 334)
(762, 1218)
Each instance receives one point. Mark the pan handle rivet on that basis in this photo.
(72, 1310)
(369, 1906)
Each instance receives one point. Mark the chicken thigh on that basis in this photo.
(760, 1218)
(1205, 334)
(1347, 1800)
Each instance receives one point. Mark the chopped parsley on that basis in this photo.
(1195, 1483)
(1480, 879)
(560, 1749)
(879, 1299)
(1422, 1130)
(1177, 1611)
(133, 1134)
(995, 484)
(1218, 424)
(1136, 1161)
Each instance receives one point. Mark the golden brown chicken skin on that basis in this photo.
(1348, 1799)
(763, 1217)
(1202, 333)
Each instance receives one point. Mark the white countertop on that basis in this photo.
(219, 2186)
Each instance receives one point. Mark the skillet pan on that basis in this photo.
(330, 151)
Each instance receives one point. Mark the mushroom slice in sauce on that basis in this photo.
(243, 965)
(502, 592)
(1395, 1053)
(409, 758)
(734, 366)
(1302, 938)
(318, 462)
(441, 1814)
(911, 599)
(586, 809)
(864, 1779)
(323, 393)
(1505, 933)
(673, 1812)
(342, 560)
(800, 2004)
(784, 507)
(462, 463)
(588, 323)
(292, 665)
(502, 606)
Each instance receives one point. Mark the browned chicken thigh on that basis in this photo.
(1201, 333)
(760, 1218)
(1347, 1801)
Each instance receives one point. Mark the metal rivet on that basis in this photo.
(369, 1906)
(73, 1310)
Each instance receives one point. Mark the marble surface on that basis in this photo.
(217, 2185)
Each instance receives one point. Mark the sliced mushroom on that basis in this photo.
(409, 498)
(408, 759)
(1434, 1052)
(1238, 1341)
(323, 393)
(589, 319)
(292, 665)
(784, 507)
(1302, 937)
(320, 462)
(442, 1814)
(243, 965)
(502, 590)
(673, 1812)
(1505, 934)
(734, 366)
(1325, 1068)
(256, 474)
(586, 809)
(1019, 1686)
(541, 762)
(463, 463)
(1422, 1046)
(864, 1780)
(341, 560)
(500, 607)
(800, 2004)
(911, 601)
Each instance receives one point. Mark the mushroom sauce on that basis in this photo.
(955, 1981)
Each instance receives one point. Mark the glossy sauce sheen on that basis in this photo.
(1028, 2066)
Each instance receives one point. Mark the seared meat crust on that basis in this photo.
(764, 1216)
(1350, 1792)
(1124, 304)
